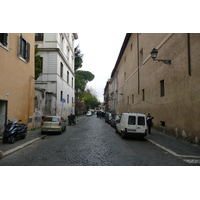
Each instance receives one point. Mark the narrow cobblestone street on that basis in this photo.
(91, 142)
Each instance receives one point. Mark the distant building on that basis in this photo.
(17, 78)
(58, 74)
(171, 93)
(107, 97)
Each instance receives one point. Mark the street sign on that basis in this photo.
(63, 100)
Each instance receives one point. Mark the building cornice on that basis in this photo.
(126, 39)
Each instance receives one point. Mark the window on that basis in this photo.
(4, 39)
(24, 48)
(162, 123)
(162, 88)
(131, 46)
(39, 36)
(67, 98)
(67, 77)
(143, 95)
(72, 82)
(128, 100)
(141, 57)
(61, 95)
(40, 65)
(132, 98)
(141, 121)
(131, 120)
(61, 70)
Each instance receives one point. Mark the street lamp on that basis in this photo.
(119, 93)
(154, 53)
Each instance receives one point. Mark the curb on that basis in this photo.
(171, 152)
(3, 154)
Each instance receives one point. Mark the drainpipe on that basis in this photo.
(189, 56)
(138, 63)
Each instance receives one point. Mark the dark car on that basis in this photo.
(108, 117)
(115, 120)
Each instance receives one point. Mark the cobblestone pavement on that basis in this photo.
(92, 142)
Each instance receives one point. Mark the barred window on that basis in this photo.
(39, 36)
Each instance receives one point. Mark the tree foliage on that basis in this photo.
(38, 70)
(91, 101)
(81, 80)
(78, 58)
(82, 77)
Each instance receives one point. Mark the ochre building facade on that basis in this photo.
(171, 93)
(17, 78)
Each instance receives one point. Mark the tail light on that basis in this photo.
(59, 122)
(125, 129)
(43, 121)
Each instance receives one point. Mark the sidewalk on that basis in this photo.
(174, 146)
(32, 136)
(167, 143)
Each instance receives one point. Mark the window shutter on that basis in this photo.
(27, 52)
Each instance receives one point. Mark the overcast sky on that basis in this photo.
(101, 50)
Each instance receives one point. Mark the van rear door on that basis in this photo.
(141, 124)
(132, 123)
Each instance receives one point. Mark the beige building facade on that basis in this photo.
(171, 93)
(17, 78)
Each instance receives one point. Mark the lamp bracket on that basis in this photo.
(168, 62)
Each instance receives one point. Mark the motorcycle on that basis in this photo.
(14, 131)
(72, 120)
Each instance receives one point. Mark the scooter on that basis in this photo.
(71, 120)
(14, 131)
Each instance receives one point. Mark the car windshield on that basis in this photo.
(51, 119)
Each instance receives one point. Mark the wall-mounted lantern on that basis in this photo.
(119, 93)
(154, 54)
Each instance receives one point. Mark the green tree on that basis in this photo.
(91, 101)
(38, 70)
(82, 78)
(78, 58)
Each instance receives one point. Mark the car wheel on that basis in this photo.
(12, 139)
(123, 135)
(4, 140)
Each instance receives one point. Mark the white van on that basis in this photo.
(132, 124)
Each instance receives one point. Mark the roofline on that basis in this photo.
(126, 39)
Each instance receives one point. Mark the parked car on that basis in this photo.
(89, 113)
(133, 124)
(53, 124)
(115, 119)
(108, 117)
